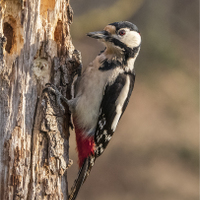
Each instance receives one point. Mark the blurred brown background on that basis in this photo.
(154, 153)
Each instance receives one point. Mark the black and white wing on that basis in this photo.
(114, 102)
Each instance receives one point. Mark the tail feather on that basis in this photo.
(82, 176)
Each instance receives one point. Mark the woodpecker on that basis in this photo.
(101, 94)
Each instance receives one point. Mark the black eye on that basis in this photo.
(122, 32)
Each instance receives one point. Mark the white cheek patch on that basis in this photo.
(131, 39)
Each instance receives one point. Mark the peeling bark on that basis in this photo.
(35, 48)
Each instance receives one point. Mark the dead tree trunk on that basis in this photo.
(35, 48)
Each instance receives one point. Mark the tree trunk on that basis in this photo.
(35, 48)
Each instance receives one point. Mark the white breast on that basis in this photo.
(89, 96)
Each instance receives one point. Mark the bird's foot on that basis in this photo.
(52, 89)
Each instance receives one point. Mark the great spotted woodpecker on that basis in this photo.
(102, 93)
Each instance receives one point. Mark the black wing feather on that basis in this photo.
(107, 113)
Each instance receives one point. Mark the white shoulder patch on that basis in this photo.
(120, 102)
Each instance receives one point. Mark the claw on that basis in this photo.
(53, 89)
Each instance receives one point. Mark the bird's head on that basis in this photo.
(121, 37)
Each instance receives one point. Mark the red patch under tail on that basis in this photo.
(85, 145)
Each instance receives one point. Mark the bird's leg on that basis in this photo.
(51, 88)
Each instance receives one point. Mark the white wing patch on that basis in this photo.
(120, 102)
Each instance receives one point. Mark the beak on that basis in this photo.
(98, 34)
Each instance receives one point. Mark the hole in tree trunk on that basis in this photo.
(59, 36)
(9, 34)
(58, 32)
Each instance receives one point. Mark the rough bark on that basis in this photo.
(35, 48)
